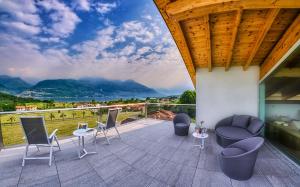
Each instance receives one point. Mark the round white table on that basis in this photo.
(202, 137)
(81, 133)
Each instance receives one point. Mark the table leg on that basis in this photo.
(202, 143)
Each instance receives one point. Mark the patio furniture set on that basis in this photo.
(37, 135)
(238, 134)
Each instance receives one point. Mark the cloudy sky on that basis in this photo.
(115, 39)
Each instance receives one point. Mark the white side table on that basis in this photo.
(202, 137)
(81, 133)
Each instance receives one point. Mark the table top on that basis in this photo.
(201, 136)
(83, 132)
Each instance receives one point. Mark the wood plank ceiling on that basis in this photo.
(226, 33)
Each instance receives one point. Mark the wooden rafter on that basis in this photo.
(234, 35)
(183, 47)
(264, 30)
(210, 9)
(290, 37)
(181, 6)
(208, 42)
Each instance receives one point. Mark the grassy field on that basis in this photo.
(65, 121)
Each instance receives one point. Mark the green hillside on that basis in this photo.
(8, 102)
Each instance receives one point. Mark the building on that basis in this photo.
(243, 58)
(26, 108)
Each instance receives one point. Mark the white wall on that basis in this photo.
(223, 93)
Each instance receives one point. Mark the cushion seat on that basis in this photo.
(233, 151)
(181, 125)
(236, 128)
(235, 133)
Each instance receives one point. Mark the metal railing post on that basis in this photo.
(1, 137)
(146, 110)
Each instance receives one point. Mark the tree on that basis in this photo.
(11, 119)
(188, 97)
(51, 116)
(73, 114)
(63, 115)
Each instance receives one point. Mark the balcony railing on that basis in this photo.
(67, 119)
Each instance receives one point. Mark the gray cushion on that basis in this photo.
(240, 121)
(255, 125)
(181, 125)
(232, 151)
(235, 133)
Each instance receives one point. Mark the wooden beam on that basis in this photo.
(208, 42)
(261, 4)
(210, 9)
(183, 47)
(181, 6)
(186, 5)
(237, 22)
(290, 37)
(272, 14)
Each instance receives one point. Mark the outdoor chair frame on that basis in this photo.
(36, 134)
(111, 123)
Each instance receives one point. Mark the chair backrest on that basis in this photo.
(182, 118)
(112, 118)
(34, 129)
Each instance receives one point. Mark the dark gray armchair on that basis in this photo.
(238, 160)
(236, 128)
(182, 124)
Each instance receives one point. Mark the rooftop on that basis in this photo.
(149, 154)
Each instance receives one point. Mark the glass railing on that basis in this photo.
(66, 119)
(165, 111)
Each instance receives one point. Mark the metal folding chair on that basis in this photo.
(36, 134)
(111, 123)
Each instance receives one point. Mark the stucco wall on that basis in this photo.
(221, 94)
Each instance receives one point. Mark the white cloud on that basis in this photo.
(81, 5)
(143, 50)
(64, 20)
(22, 27)
(105, 8)
(148, 17)
(127, 50)
(134, 29)
(49, 39)
(22, 16)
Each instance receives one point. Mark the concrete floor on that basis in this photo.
(149, 154)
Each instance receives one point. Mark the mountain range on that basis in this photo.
(72, 88)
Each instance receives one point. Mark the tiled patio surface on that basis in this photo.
(149, 154)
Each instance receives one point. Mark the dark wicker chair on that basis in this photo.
(236, 128)
(238, 160)
(181, 124)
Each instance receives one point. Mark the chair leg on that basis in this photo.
(105, 131)
(50, 155)
(96, 135)
(118, 132)
(25, 155)
(37, 148)
(55, 138)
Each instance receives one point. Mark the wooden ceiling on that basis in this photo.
(226, 33)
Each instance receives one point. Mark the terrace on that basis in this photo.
(148, 154)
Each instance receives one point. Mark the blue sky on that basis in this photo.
(115, 39)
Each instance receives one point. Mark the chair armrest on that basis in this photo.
(100, 124)
(224, 122)
(53, 134)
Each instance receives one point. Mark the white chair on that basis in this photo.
(36, 134)
(111, 123)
